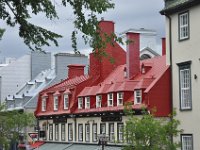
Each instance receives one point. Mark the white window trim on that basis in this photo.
(57, 132)
(184, 26)
(80, 103)
(66, 104)
(80, 132)
(63, 132)
(87, 102)
(70, 132)
(55, 99)
(98, 101)
(94, 132)
(87, 132)
(44, 103)
(112, 132)
(186, 142)
(120, 98)
(110, 99)
(120, 133)
(185, 86)
(136, 96)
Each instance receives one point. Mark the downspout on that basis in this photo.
(170, 57)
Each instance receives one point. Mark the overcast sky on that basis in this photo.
(126, 14)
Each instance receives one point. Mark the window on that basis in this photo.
(70, 132)
(98, 100)
(102, 128)
(120, 128)
(63, 132)
(87, 102)
(80, 103)
(80, 132)
(87, 132)
(120, 96)
(50, 132)
(94, 132)
(186, 142)
(56, 132)
(185, 86)
(55, 102)
(44, 104)
(66, 101)
(111, 132)
(110, 99)
(138, 97)
(184, 26)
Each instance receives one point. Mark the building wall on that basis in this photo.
(183, 51)
(62, 60)
(14, 76)
(39, 61)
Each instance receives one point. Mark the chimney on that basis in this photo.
(75, 70)
(133, 54)
(163, 46)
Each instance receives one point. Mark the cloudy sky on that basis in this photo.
(127, 14)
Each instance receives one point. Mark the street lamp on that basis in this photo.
(103, 139)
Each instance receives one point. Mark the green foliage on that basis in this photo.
(19, 12)
(1, 32)
(12, 124)
(146, 132)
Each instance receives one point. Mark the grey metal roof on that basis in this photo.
(59, 146)
(172, 6)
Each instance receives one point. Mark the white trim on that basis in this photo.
(44, 103)
(66, 101)
(120, 97)
(184, 26)
(137, 96)
(87, 102)
(110, 99)
(80, 103)
(55, 99)
(98, 101)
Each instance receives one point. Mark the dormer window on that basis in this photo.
(55, 102)
(66, 101)
(110, 99)
(44, 101)
(87, 102)
(98, 101)
(80, 103)
(138, 97)
(120, 96)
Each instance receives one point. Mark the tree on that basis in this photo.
(12, 124)
(19, 12)
(1, 33)
(150, 133)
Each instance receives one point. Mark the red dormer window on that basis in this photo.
(87, 102)
(120, 96)
(66, 101)
(44, 102)
(110, 99)
(137, 96)
(80, 103)
(98, 101)
(55, 99)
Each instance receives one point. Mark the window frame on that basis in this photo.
(63, 132)
(70, 132)
(184, 66)
(50, 132)
(186, 135)
(111, 133)
(98, 101)
(120, 133)
(87, 102)
(87, 134)
(80, 101)
(102, 124)
(120, 98)
(110, 99)
(94, 133)
(56, 132)
(55, 103)
(44, 104)
(136, 96)
(80, 134)
(186, 26)
(66, 104)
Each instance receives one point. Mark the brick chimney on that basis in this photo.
(75, 70)
(133, 54)
(163, 46)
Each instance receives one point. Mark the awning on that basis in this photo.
(59, 146)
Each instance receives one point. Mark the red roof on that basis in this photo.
(37, 144)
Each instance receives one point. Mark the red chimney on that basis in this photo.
(75, 70)
(133, 54)
(163, 46)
